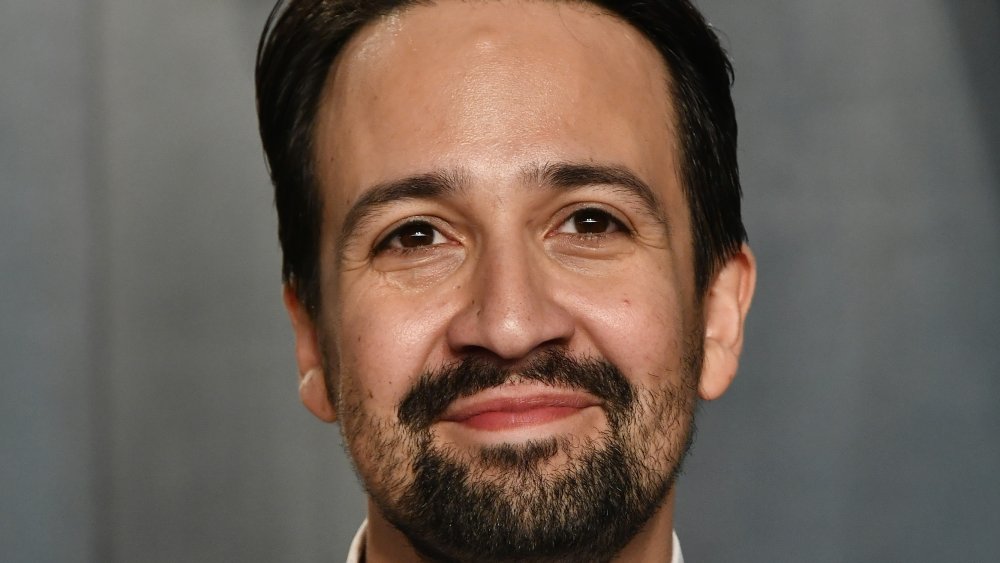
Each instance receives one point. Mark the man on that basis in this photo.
(513, 261)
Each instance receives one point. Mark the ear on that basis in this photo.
(308, 356)
(725, 308)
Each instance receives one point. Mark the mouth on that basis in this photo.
(515, 407)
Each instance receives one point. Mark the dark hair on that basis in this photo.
(303, 37)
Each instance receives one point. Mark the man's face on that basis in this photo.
(506, 269)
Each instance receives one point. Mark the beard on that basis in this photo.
(557, 499)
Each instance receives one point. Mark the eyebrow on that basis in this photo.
(571, 175)
(439, 184)
(420, 186)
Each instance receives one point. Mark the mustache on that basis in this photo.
(435, 391)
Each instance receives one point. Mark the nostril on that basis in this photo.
(484, 354)
(510, 313)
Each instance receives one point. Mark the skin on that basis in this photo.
(488, 93)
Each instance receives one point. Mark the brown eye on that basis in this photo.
(591, 222)
(414, 234)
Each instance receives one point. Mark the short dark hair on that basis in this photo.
(302, 38)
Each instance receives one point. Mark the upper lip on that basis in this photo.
(515, 399)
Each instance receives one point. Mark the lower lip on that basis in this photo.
(506, 420)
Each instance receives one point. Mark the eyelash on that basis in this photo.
(385, 244)
(619, 225)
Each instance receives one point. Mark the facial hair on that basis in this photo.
(504, 503)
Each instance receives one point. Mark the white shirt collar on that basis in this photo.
(358, 546)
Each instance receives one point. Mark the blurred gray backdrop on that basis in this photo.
(148, 406)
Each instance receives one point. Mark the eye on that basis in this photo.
(591, 221)
(412, 235)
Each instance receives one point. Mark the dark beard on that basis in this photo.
(587, 510)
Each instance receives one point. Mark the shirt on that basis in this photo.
(356, 554)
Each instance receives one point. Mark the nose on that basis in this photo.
(511, 307)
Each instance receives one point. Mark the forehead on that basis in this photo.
(493, 86)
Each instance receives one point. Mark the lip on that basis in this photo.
(512, 407)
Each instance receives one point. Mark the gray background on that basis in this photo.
(148, 407)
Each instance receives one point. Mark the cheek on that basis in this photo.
(386, 341)
(638, 325)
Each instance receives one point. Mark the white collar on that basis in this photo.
(358, 546)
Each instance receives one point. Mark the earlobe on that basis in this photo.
(308, 356)
(725, 309)
(312, 392)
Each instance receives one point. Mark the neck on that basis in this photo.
(384, 543)
(654, 543)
